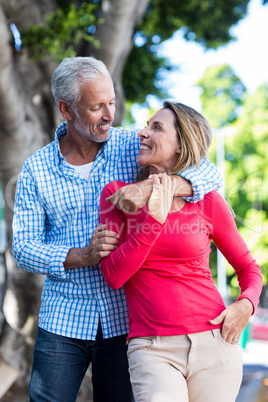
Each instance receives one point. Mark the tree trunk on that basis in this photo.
(21, 133)
(28, 119)
(116, 41)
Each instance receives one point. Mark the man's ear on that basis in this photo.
(65, 110)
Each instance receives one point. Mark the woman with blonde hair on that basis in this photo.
(178, 350)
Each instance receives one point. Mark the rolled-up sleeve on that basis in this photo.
(29, 248)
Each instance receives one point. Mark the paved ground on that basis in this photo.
(255, 380)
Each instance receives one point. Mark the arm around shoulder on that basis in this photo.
(204, 179)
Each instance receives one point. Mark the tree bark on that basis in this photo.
(116, 41)
(21, 133)
(28, 118)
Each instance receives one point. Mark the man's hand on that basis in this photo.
(235, 319)
(102, 243)
(132, 197)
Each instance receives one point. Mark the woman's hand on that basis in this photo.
(161, 198)
(235, 319)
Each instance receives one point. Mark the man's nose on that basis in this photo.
(109, 113)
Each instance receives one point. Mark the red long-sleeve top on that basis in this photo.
(165, 267)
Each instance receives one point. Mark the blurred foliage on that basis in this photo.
(147, 113)
(129, 119)
(247, 174)
(246, 168)
(222, 95)
(70, 23)
(204, 21)
(143, 74)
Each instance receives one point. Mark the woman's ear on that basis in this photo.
(65, 110)
(178, 150)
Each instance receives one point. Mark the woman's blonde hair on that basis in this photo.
(194, 135)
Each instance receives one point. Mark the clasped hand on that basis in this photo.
(102, 243)
(160, 201)
(160, 191)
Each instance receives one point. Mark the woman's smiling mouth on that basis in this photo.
(145, 147)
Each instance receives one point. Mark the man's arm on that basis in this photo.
(204, 179)
(134, 196)
(192, 184)
(29, 247)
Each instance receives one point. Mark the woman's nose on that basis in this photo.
(143, 133)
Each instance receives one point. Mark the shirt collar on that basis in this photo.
(61, 131)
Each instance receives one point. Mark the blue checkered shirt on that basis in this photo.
(56, 209)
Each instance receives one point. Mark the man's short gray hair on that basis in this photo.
(71, 74)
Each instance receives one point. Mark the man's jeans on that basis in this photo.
(60, 364)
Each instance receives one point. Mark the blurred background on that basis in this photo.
(208, 54)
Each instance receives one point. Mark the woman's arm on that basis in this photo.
(125, 261)
(230, 243)
(192, 184)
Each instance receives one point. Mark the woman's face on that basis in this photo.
(159, 144)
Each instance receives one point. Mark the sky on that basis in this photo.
(247, 55)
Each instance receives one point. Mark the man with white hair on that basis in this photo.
(56, 233)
